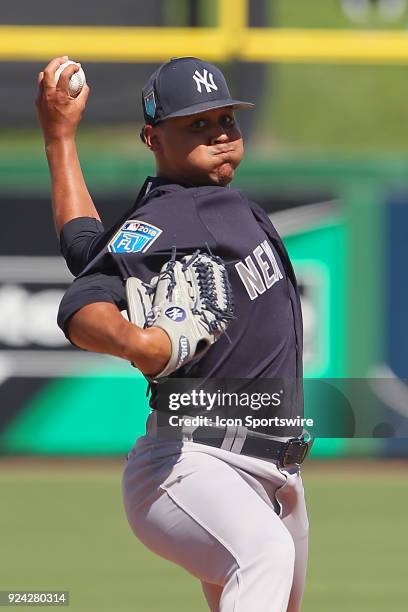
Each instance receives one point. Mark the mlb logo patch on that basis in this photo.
(134, 237)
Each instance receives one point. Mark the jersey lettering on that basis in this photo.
(257, 282)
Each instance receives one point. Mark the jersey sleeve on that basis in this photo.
(263, 219)
(97, 287)
(78, 239)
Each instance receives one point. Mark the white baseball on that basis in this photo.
(76, 82)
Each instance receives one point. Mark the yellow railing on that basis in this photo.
(230, 39)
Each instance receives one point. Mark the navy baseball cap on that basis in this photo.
(185, 86)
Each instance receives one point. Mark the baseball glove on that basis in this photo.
(191, 300)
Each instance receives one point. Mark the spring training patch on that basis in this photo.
(150, 104)
(134, 237)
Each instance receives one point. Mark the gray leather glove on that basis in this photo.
(191, 300)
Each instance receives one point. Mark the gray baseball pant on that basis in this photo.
(237, 523)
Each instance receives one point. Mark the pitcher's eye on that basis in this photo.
(199, 124)
(228, 120)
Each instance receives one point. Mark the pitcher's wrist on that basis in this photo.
(52, 140)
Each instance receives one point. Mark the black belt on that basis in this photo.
(293, 451)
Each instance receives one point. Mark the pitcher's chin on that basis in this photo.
(223, 174)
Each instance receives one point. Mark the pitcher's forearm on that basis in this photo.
(101, 328)
(59, 115)
(70, 195)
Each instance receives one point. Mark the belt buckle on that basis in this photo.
(296, 450)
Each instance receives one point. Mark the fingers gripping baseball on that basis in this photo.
(59, 113)
(70, 77)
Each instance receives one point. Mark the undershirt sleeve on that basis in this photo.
(76, 240)
(97, 287)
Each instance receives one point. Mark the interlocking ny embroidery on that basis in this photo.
(205, 79)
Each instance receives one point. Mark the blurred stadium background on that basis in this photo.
(326, 155)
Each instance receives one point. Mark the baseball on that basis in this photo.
(76, 82)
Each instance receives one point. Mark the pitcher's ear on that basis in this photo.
(151, 138)
(142, 136)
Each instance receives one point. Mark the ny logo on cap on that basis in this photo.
(205, 79)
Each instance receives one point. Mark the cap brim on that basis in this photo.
(209, 105)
